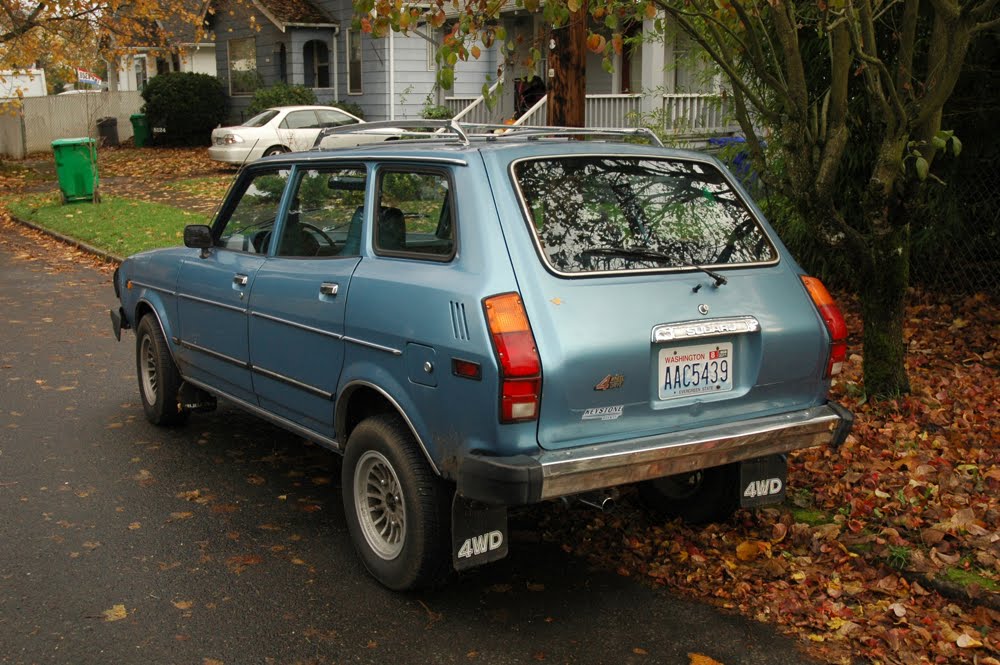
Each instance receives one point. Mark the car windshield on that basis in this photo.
(260, 119)
(605, 213)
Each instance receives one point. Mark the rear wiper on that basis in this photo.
(655, 256)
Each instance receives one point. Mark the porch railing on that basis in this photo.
(474, 109)
(697, 114)
(683, 115)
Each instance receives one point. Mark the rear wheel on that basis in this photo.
(706, 495)
(275, 150)
(159, 379)
(396, 507)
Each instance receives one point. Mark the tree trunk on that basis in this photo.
(568, 82)
(883, 309)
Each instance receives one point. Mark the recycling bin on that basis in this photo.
(140, 129)
(76, 168)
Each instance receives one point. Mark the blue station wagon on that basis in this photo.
(480, 321)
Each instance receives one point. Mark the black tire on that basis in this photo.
(275, 150)
(706, 495)
(158, 377)
(401, 530)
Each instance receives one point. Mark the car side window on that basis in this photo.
(248, 228)
(332, 118)
(300, 120)
(326, 214)
(414, 215)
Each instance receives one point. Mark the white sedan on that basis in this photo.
(287, 129)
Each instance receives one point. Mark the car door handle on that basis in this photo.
(240, 280)
(329, 288)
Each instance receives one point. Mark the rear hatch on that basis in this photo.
(658, 300)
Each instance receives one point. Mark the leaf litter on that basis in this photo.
(855, 561)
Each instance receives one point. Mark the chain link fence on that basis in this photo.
(957, 247)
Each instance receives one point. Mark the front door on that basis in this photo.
(300, 295)
(213, 290)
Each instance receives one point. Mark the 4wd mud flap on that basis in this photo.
(763, 480)
(478, 533)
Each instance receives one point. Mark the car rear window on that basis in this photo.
(610, 214)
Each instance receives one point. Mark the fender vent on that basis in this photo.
(459, 324)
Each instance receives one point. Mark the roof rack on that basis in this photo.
(462, 132)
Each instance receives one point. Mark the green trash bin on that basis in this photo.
(140, 129)
(76, 168)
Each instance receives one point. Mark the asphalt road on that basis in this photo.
(224, 541)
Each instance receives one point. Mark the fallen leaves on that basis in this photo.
(916, 487)
(237, 564)
(116, 613)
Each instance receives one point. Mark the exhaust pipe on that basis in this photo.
(602, 501)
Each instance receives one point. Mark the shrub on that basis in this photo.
(281, 94)
(351, 108)
(186, 105)
(435, 112)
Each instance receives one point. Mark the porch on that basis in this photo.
(688, 117)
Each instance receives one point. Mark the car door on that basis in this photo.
(213, 289)
(299, 129)
(300, 294)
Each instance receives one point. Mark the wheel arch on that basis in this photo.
(145, 306)
(361, 399)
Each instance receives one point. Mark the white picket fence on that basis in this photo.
(41, 120)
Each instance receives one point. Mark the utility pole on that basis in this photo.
(568, 71)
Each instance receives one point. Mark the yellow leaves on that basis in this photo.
(573, 5)
(176, 517)
(134, 526)
(183, 605)
(700, 659)
(750, 550)
(116, 613)
(476, 52)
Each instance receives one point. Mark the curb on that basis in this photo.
(79, 244)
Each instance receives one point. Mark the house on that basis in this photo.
(263, 42)
(191, 50)
(312, 43)
(21, 83)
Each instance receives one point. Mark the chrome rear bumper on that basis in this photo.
(527, 479)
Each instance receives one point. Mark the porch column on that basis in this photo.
(653, 66)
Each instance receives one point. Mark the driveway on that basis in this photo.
(224, 541)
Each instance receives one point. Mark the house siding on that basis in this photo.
(237, 26)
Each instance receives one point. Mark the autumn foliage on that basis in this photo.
(888, 548)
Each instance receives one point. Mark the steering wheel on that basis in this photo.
(319, 231)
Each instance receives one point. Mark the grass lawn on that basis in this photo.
(118, 226)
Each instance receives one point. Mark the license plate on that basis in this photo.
(695, 370)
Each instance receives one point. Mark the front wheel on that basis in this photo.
(396, 507)
(159, 379)
(698, 497)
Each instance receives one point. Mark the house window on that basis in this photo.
(141, 74)
(281, 56)
(354, 62)
(243, 77)
(434, 37)
(316, 55)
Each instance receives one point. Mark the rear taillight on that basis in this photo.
(835, 325)
(520, 369)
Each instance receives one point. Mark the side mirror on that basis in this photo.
(198, 236)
